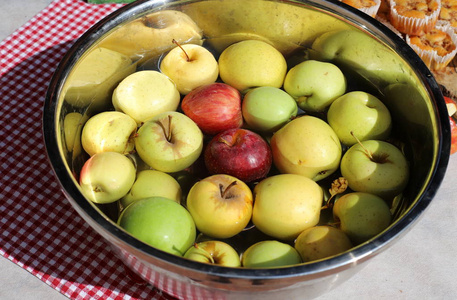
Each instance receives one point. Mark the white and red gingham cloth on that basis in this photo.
(40, 231)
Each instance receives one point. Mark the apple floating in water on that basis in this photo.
(362, 114)
(320, 242)
(109, 131)
(169, 142)
(190, 66)
(145, 94)
(315, 84)
(221, 205)
(375, 167)
(106, 177)
(153, 183)
(270, 254)
(214, 252)
(276, 195)
(240, 153)
(361, 215)
(267, 109)
(307, 146)
(252, 63)
(214, 107)
(161, 223)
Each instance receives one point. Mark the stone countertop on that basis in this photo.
(421, 265)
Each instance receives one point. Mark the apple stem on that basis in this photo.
(176, 42)
(224, 191)
(166, 131)
(361, 145)
(205, 253)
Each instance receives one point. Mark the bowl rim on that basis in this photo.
(344, 260)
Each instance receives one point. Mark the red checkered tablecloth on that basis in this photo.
(40, 231)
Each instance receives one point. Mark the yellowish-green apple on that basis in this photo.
(95, 77)
(106, 177)
(357, 52)
(252, 63)
(315, 84)
(359, 114)
(286, 204)
(375, 167)
(270, 254)
(151, 183)
(361, 215)
(72, 126)
(190, 66)
(109, 131)
(267, 109)
(307, 146)
(169, 142)
(145, 94)
(151, 35)
(160, 222)
(221, 205)
(214, 252)
(320, 242)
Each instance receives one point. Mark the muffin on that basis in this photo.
(437, 47)
(414, 17)
(448, 12)
(370, 7)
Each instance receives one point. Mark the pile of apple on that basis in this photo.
(204, 153)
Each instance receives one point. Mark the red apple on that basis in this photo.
(453, 135)
(238, 152)
(214, 107)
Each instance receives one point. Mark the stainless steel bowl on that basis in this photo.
(406, 85)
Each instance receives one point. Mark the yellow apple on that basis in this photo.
(214, 252)
(109, 131)
(106, 177)
(320, 242)
(221, 205)
(286, 204)
(169, 142)
(190, 66)
(252, 63)
(151, 183)
(145, 94)
(307, 146)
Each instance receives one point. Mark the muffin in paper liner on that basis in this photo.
(448, 12)
(370, 7)
(414, 17)
(437, 47)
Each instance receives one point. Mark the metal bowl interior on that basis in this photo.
(384, 66)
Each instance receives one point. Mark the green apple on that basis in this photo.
(375, 167)
(307, 146)
(315, 84)
(286, 204)
(359, 114)
(252, 63)
(94, 78)
(161, 223)
(270, 254)
(145, 94)
(153, 34)
(267, 109)
(190, 66)
(321, 242)
(221, 205)
(111, 131)
(153, 183)
(169, 142)
(214, 252)
(357, 52)
(361, 215)
(107, 177)
(72, 126)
